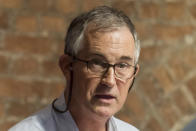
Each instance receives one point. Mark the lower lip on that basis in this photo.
(105, 100)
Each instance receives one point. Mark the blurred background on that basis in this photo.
(32, 39)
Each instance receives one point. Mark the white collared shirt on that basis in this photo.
(50, 120)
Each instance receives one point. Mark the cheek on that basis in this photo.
(84, 84)
(79, 78)
(123, 89)
(91, 85)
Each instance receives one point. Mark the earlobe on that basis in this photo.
(135, 73)
(137, 67)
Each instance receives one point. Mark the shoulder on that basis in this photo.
(123, 126)
(35, 122)
(28, 124)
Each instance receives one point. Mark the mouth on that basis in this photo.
(104, 96)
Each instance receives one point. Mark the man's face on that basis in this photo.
(102, 95)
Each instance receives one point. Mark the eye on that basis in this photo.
(122, 65)
(97, 62)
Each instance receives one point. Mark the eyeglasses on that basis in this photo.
(99, 68)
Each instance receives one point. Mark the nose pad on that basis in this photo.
(109, 77)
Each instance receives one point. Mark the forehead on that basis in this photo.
(112, 44)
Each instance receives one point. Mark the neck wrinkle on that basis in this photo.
(89, 122)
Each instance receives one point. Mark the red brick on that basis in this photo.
(165, 32)
(168, 113)
(22, 89)
(51, 68)
(150, 53)
(60, 48)
(26, 24)
(178, 68)
(40, 89)
(143, 30)
(191, 86)
(163, 78)
(129, 7)
(153, 125)
(25, 66)
(175, 10)
(28, 44)
(67, 6)
(183, 104)
(53, 24)
(2, 109)
(193, 11)
(14, 88)
(47, 90)
(150, 88)
(89, 4)
(39, 5)
(189, 56)
(123, 116)
(11, 3)
(6, 125)
(150, 10)
(181, 67)
(135, 105)
(4, 64)
(19, 109)
(55, 90)
(3, 20)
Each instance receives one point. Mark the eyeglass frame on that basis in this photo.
(107, 67)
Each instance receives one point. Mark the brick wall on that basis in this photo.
(31, 41)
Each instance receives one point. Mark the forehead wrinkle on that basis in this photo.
(97, 40)
(108, 43)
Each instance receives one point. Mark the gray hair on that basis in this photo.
(102, 18)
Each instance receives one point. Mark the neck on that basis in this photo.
(88, 122)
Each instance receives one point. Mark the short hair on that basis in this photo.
(102, 18)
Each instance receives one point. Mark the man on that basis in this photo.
(100, 65)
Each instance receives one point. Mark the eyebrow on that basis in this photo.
(99, 55)
(127, 58)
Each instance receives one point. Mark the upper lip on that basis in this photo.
(105, 95)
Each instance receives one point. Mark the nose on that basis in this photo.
(109, 78)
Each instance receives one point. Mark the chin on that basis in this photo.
(104, 111)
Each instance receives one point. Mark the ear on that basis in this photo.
(135, 72)
(65, 64)
(137, 68)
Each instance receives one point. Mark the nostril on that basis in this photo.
(108, 82)
(103, 85)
